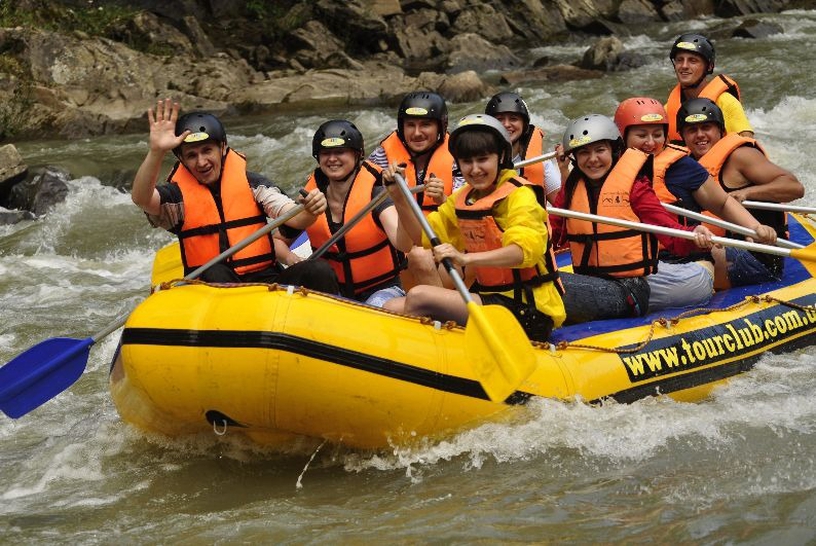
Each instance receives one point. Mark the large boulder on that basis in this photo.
(472, 52)
(13, 170)
(8, 217)
(608, 54)
(38, 195)
(756, 29)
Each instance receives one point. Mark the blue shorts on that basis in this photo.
(744, 269)
(378, 298)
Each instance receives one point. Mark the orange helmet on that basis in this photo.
(640, 111)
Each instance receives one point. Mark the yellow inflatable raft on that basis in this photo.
(279, 364)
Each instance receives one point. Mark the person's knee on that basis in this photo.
(219, 274)
(313, 274)
(422, 267)
(419, 300)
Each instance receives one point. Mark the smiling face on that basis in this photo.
(690, 69)
(701, 137)
(646, 138)
(420, 133)
(204, 160)
(594, 160)
(338, 163)
(480, 171)
(514, 124)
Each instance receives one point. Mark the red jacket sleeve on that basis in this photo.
(648, 208)
(557, 223)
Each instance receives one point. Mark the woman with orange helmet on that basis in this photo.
(611, 263)
(679, 180)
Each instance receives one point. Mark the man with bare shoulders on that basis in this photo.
(741, 167)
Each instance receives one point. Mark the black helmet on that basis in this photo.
(508, 102)
(423, 104)
(337, 133)
(202, 126)
(696, 111)
(694, 43)
(484, 122)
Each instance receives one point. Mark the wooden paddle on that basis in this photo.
(781, 207)
(736, 228)
(48, 368)
(497, 345)
(806, 255)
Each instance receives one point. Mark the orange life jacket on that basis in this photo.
(713, 89)
(440, 164)
(482, 233)
(364, 257)
(670, 155)
(714, 160)
(534, 173)
(604, 250)
(211, 227)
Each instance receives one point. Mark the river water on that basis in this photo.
(739, 468)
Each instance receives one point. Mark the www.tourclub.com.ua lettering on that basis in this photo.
(734, 338)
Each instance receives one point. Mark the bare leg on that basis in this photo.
(397, 305)
(721, 279)
(438, 303)
(421, 269)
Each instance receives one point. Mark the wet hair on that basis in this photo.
(475, 142)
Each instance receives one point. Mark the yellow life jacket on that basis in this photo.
(482, 233)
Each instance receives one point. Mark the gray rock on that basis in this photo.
(8, 217)
(472, 52)
(603, 54)
(754, 28)
(734, 8)
(13, 170)
(38, 195)
(633, 12)
(463, 87)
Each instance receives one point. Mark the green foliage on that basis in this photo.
(278, 18)
(94, 18)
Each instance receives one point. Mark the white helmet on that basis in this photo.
(588, 129)
(482, 122)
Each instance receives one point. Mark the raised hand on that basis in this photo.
(163, 126)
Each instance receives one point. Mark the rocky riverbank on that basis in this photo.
(60, 78)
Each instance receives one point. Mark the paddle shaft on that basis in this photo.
(426, 227)
(533, 160)
(679, 233)
(380, 198)
(354, 220)
(736, 228)
(243, 243)
(781, 207)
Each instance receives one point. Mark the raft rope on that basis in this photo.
(546, 345)
(669, 323)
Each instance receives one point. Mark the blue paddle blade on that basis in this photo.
(36, 376)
